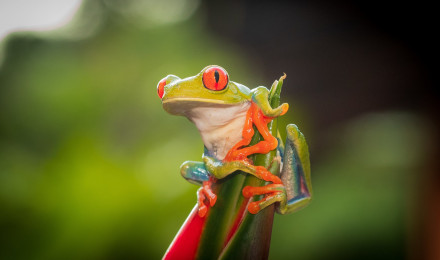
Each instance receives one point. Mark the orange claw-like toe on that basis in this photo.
(202, 210)
(207, 190)
(253, 208)
(247, 192)
(202, 207)
(250, 191)
(266, 175)
(212, 200)
(275, 179)
(285, 108)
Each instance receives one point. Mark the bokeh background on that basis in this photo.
(89, 161)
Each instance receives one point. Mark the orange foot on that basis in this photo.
(271, 191)
(205, 192)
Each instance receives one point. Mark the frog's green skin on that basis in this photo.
(220, 117)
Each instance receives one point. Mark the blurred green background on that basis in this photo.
(89, 161)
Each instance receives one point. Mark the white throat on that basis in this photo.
(220, 126)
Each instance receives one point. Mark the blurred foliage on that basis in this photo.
(365, 193)
(89, 160)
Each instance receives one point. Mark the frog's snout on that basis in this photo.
(163, 82)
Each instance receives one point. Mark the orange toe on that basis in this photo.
(212, 200)
(247, 192)
(285, 109)
(253, 208)
(202, 210)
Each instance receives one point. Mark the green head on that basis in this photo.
(211, 87)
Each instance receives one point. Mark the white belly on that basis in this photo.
(220, 126)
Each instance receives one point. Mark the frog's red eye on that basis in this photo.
(161, 87)
(215, 78)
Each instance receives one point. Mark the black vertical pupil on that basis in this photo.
(216, 76)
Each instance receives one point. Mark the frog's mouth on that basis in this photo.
(183, 105)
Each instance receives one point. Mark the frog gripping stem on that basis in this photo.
(240, 168)
(256, 117)
(205, 193)
(272, 192)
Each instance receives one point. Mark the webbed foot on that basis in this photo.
(273, 193)
(205, 192)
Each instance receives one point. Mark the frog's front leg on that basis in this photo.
(296, 190)
(260, 96)
(260, 114)
(195, 172)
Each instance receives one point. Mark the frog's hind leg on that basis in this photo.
(222, 169)
(296, 172)
(261, 98)
(295, 192)
(195, 172)
(273, 193)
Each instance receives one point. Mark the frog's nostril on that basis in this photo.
(161, 87)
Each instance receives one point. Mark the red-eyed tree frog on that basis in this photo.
(224, 113)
